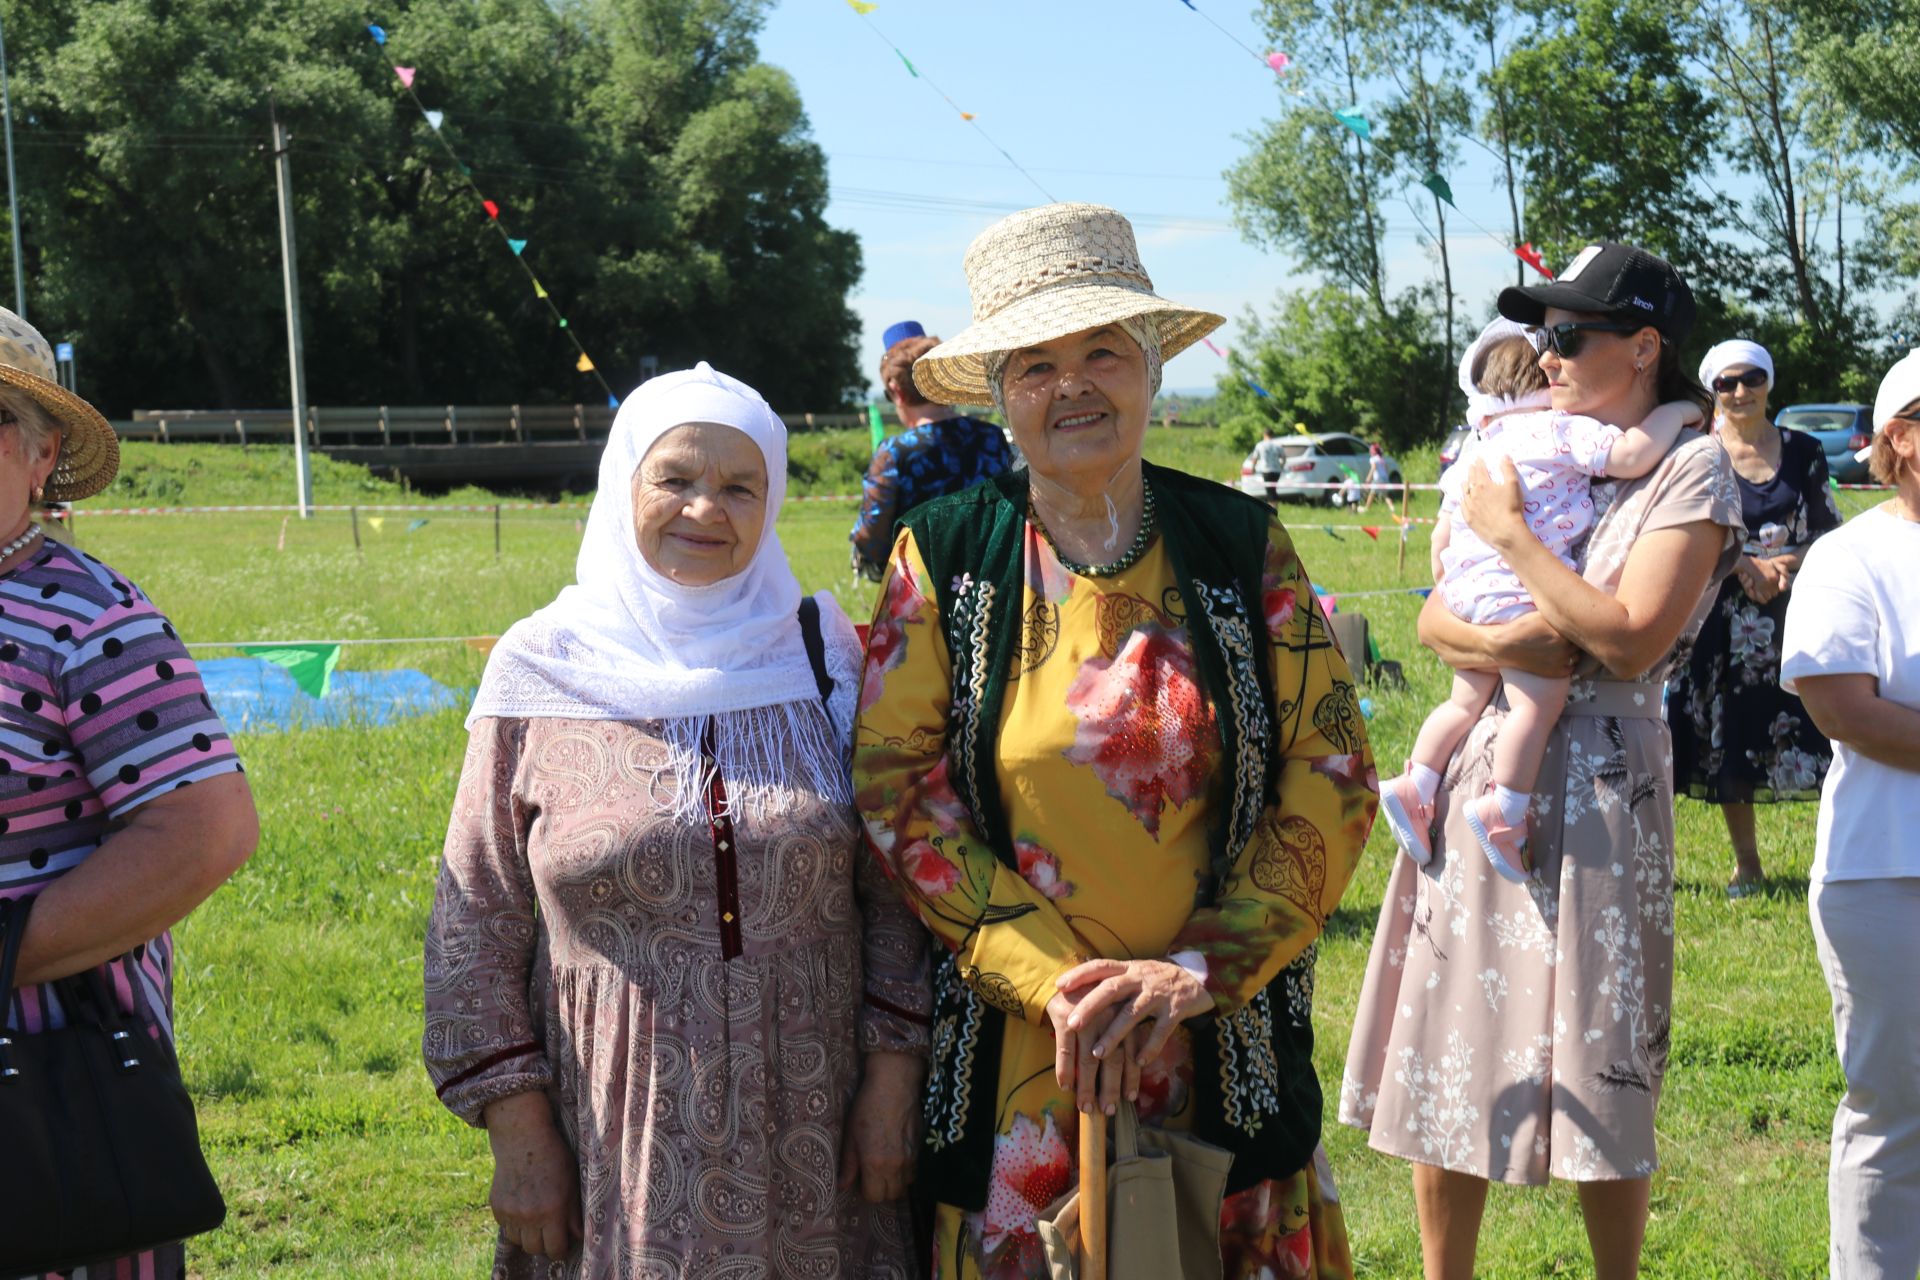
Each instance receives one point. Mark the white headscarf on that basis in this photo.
(626, 642)
(1725, 355)
(1480, 405)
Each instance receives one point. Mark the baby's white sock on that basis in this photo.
(1426, 781)
(1513, 804)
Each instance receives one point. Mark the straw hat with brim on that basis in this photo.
(1044, 273)
(89, 450)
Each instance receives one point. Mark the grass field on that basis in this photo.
(299, 982)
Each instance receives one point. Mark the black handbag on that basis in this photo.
(99, 1152)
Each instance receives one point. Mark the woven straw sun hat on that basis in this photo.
(1044, 273)
(89, 450)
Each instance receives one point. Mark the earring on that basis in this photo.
(1639, 366)
(38, 490)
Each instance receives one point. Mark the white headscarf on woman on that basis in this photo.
(1480, 405)
(722, 664)
(1723, 356)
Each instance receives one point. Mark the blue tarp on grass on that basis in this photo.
(255, 696)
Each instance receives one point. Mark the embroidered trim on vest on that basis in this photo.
(956, 1037)
(1227, 619)
(972, 624)
(1249, 1069)
(1297, 981)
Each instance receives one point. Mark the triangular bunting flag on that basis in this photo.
(518, 246)
(539, 290)
(1279, 62)
(310, 665)
(563, 322)
(1371, 530)
(613, 402)
(1352, 118)
(436, 118)
(378, 522)
(966, 115)
(1438, 185)
(378, 33)
(493, 210)
(412, 525)
(1217, 351)
(1301, 427)
(1328, 530)
(910, 70)
(863, 7)
(405, 74)
(1532, 257)
(876, 429)
(584, 364)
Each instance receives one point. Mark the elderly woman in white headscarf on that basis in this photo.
(655, 973)
(1739, 739)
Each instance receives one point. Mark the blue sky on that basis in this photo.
(1138, 104)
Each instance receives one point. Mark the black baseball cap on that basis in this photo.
(1614, 278)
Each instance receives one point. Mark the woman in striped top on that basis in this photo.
(122, 804)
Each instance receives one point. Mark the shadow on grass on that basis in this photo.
(1786, 888)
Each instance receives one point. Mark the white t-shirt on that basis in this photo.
(1855, 610)
(1269, 455)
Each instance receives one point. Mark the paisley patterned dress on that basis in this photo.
(1109, 761)
(1519, 1031)
(695, 999)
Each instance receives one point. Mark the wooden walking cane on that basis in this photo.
(1093, 1197)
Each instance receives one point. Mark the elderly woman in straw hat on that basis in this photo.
(105, 724)
(1110, 754)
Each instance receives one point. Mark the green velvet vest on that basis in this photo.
(1255, 1089)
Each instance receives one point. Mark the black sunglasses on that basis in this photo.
(1751, 378)
(1569, 339)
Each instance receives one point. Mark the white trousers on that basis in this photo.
(1868, 933)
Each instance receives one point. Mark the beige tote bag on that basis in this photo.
(1163, 1207)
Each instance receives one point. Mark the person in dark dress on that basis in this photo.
(1739, 739)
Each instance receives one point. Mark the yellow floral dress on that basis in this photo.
(1109, 761)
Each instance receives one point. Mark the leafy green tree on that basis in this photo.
(1618, 133)
(1328, 361)
(663, 177)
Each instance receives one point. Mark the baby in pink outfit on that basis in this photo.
(1557, 455)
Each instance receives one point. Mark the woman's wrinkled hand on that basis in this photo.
(536, 1179)
(883, 1128)
(1762, 580)
(1110, 1017)
(1492, 504)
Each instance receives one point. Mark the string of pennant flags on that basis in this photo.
(517, 246)
(865, 9)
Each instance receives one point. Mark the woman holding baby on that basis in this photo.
(1515, 1016)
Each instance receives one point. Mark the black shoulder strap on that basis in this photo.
(816, 645)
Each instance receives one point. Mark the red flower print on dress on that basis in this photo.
(1042, 869)
(887, 638)
(1046, 576)
(1032, 1167)
(929, 869)
(940, 802)
(1278, 603)
(1144, 726)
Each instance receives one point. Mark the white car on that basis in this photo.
(1313, 462)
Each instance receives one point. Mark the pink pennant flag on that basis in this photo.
(405, 74)
(493, 210)
(1279, 62)
(1217, 351)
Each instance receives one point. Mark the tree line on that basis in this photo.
(663, 176)
(1603, 119)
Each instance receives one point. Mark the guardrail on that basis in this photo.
(411, 425)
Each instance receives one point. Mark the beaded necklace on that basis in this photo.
(1128, 558)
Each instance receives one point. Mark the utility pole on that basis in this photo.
(296, 358)
(13, 186)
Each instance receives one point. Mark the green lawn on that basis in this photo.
(300, 981)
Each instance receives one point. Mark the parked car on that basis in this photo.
(1316, 461)
(1456, 443)
(1841, 429)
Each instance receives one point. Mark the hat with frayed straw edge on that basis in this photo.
(89, 450)
(1044, 273)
